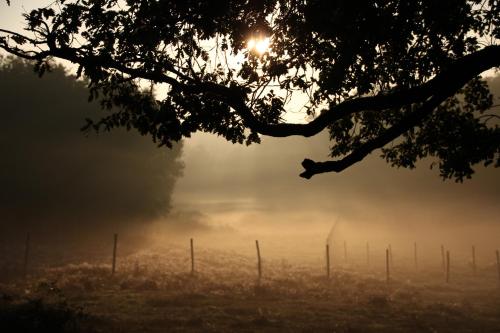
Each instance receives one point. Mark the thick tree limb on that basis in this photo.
(459, 79)
(312, 168)
(463, 70)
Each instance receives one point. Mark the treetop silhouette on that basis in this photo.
(399, 76)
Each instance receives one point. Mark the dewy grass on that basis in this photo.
(154, 291)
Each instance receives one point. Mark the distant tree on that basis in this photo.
(55, 178)
(399, 76)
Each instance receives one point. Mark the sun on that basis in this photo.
(259, 45)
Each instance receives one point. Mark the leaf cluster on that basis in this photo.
(323, 53)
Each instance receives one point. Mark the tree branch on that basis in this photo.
(462, 70)
(475, 65)
(31, 40)
(432, 93)
(312, 168)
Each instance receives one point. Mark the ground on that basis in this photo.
(154, 291)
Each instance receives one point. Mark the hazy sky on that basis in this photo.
(246, 186)
(11, 16)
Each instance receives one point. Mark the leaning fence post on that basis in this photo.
(26, 254)
(259, 264)
(113, 267)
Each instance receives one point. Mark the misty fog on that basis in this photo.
(256, 191)
(56, 181)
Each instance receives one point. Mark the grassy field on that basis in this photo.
(154, 291)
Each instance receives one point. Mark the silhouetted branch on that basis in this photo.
(462, 70)
(312, 168)
(430, 95)
(448, 84)
(23, 37)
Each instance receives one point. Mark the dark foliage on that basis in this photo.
(397, 75)
(36, 315)
(55, 178)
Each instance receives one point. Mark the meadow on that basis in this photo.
(154, 290)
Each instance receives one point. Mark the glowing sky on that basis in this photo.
(232, 183)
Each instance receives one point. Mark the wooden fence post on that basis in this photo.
(387, 266)
(136, 268)
(192, 256)
(415, 255)
(259, 264)
(113, 267)
(390, 256)
(447, 266)
(367, 254)
(498, 264)
(474, 259)
(443, 260)
(328, 261)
